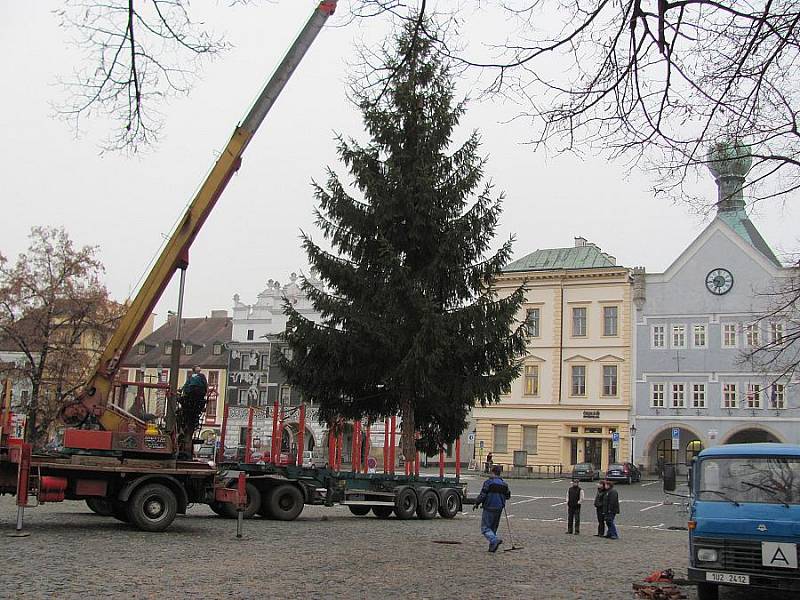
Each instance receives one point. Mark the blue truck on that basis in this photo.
(744, 527)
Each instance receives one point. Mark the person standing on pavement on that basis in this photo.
(575, 497)
(598, 507)
(493, 496)
(611, 510)
(489, 462)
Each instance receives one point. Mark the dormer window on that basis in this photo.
(189, 349)
(167, 348)
(217, 349)
(141, 349)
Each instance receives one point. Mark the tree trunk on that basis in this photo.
(408, 433)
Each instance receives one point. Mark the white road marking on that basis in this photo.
(524, 501)
(557, 480)
(649, 507)
(559, 503)
(650, 483)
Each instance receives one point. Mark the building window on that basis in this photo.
(729, 335)
(245, 363)
(679, 336)
(578, 380)
(286, 394)
(262, 397)
(530, 435)
(188, 349)
(139, 376)
(265, 361)
(752, 337)
(579, 321)
(776, 332)
(216, 350)
(698, 395)
(657, 337)
(167, 348)
(678, 395)
(610, 320)
(141, 349)
(500, 444)
(242, 397)
(250, 334)
(531, 380)
(730, 398)
(609, 380)
(699, 336)
(754, 396)
(778, 396)
(532, 322)
(657, 395)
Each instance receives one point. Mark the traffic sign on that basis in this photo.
(676, 433)
(615, 439)
(471, 437)
(481, 444)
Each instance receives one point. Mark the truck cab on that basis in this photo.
(744, 523)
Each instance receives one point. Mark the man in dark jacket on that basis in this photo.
(611, 510)
(575, 497)
(493, 496)
(598, 507)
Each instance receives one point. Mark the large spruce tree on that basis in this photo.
(411, 324)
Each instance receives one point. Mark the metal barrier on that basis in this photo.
(551, 471)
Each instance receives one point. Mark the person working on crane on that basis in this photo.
(493, 496)
(196, 387)
(191, 404)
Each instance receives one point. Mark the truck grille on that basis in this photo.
(741, 555)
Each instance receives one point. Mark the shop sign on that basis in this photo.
(591, 414)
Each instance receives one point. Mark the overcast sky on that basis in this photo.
(126, 204)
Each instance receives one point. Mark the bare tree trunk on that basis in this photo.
(408, 433)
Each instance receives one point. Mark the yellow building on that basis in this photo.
(573, 398)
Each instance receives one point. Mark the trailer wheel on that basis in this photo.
(218, 508)
(229, 511)
(707, 591)
(450, 503)
(405, 503)
(359, 510)
(152, 507)
(382, 512)
(285, 502)
(119, 510)
(428, 504)
(101, 506)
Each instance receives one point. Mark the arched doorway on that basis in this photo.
(664, 450)
(752, 435)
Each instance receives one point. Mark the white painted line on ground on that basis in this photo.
(524, 501)
(557, 480)
(559, 503)
(649, 507)
(650, 483)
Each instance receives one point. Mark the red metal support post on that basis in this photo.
(365, 468)
(221, 449)
(301, 431)
(392, 444)
(385, 446)
(458, 457)
(339, 445)
(441, 463)
(273, 458)
(355, 459)
(248, 443)
(331, 446)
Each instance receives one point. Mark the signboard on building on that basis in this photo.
(591, 414)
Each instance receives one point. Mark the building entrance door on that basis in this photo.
(593, 451)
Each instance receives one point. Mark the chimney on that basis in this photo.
(639, 291)
(171, 317)
(729, 163)
(580, 242)
(219, 314)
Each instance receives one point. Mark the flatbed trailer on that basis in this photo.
(281, 492)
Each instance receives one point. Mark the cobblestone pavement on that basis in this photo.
(326, 553)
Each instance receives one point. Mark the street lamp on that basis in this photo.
(633, 442)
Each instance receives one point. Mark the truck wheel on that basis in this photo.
(450, 504)
(119, 510)
(359, 510)
(707, 591)
(405, 503)
(229, 511)
(382, 512)
(152, 507)
(428, 504)
(101, 506)
(285, 502)
(218, 508)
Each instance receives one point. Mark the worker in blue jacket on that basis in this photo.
(493, 496)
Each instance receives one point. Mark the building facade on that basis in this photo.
(572, 402)
(205, 344)
(696, 323)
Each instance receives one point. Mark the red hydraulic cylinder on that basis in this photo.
(392, 444)
(273, 458)
(441, 463)
(301, 430)
(458, 457)
(385, 446)
(248, 443)
(221, 449)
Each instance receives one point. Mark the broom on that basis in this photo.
(510, 535)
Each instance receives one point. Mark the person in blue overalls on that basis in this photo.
(493, 496)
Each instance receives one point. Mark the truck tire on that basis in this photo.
(119, 510)
(359, 510)
(382, 512)
(405, 503)
(449, 503)
(229, 511)
(285, 502)
(428, 504)
(101, 506)
(218, 508)
(707, 591)
(152, 507)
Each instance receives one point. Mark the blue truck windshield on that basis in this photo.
(768, 480)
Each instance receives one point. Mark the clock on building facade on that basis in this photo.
(719, 281)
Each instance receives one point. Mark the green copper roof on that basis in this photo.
(580, 257)
(744, 228)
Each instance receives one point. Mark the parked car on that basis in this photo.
(308, 459)
(623, 472)
(585, 472)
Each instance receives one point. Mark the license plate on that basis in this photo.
(727, 578)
